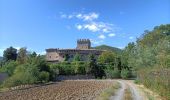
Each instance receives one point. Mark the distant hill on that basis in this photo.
(108, 48)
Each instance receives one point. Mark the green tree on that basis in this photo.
(54, 71)
(112, 73)
(107, 57)
(66, 57)
(125, 73)
(77, 57)
(91, 63)
(10, 54)
(22, 56)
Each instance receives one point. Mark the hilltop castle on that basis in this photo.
(83, 49)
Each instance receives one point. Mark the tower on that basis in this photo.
(83, 44)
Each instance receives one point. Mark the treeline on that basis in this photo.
(149, 57)
(24, 67)
(107, 65)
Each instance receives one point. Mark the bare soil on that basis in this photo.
(66, 90)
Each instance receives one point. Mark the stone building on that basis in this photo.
(83, 49)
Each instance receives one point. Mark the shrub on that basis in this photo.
(110, 73)
(23, 74)
(44, 76)
(79, 67)
(125, 73)
(9, 67)
(65, 68)
(54, 71)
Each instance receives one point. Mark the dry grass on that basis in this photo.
(128, 94)
(105, 95)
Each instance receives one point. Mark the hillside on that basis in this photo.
(108, 48)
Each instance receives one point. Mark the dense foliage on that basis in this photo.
(149, 57)
(27, 68)
(10, 54)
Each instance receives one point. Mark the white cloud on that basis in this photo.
(85, 17)
(97, 27)
(79, 15)
(131, 37)
(111, 35)
(63, 16)
(79, 27)
(105, 30)
(88, 17)
(70, 16)
(89, 21)
(101, 36)
(91, 27)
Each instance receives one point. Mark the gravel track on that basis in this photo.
(137, 93)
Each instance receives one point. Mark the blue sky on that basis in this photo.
(41, 24)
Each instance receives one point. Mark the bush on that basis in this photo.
(44, 76)
(110, 73)
(9, 67)
(65, 68)
(54, 71)
(79, 67)
(125, 73)
(23, 74)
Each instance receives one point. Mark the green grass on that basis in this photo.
(136, 81)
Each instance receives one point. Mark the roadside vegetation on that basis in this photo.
(149, 58)
(106, 94)
(127, 94)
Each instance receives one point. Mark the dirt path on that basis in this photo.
(137, 93)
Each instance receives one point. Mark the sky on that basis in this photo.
(41, 24)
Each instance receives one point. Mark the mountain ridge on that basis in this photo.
(108, 48)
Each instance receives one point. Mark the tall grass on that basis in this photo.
(157, 79)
